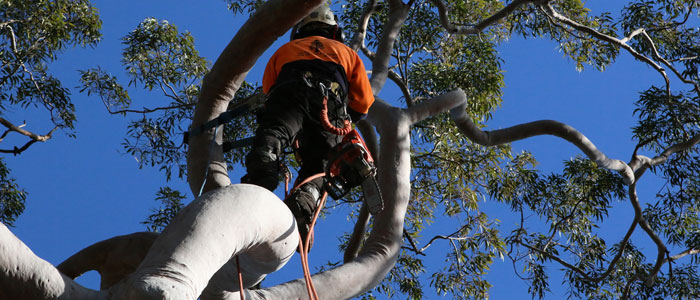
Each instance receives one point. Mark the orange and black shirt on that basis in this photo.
(326, 53)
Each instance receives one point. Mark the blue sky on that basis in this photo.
(84, 190)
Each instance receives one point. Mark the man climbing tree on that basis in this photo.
(313, 66)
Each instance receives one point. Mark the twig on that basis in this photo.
(678, 256)
(556, 258)
(414, 247)
(448, 237)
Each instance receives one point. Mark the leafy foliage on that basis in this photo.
(532, 21)
(171, 205)
(12, 197)
(33, 34)
(156, 56)
(248, 6)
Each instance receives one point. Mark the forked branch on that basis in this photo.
(33, 137)
(475, 29)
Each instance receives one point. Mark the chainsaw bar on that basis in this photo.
(373, 198)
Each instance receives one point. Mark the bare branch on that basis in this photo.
(685, 253)
(148, 110)
(398, 12)
(449, 237)
(358, 41)
(658, 56)
(475, 29)
(18, 129)
(8, 22)
(33, 137)
(640, 163)
(114, 258)
(371, 55)
(163, 84)
(523, 131)
(684, 58)
(358, 234)
(396, 78)
(414, 247)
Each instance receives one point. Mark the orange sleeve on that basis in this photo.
(360, 91)
(270, 75)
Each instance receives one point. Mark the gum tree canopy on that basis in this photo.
(434, 157)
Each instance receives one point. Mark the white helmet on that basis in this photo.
(322, 14)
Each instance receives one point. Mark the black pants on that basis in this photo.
(292, 112)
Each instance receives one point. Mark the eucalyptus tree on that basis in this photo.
(431, 150)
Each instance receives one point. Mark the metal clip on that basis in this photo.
(323, 88)
(307, 80)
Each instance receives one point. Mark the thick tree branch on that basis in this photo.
(358, 233)
(25, 276)
(457, 100)
(114, 258)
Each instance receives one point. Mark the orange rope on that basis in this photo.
(307, 246)
(240, 278)
(327, 123)
(286, 183)
(304, 245)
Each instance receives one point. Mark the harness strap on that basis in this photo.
(251, 103)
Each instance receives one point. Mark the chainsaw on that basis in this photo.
(350, 164)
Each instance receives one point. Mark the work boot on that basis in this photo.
(303, 203)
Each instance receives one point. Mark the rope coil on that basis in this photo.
(326, 123)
